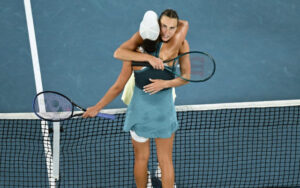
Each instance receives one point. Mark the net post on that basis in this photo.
(56, 147)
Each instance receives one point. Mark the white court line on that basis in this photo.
(39, 88)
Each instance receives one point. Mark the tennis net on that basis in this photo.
(220, 145)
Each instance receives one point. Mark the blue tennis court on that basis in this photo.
(239, 129)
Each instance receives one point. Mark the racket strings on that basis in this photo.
(55, 107)
(202, 67)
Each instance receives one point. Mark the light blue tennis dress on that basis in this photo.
(151, 116)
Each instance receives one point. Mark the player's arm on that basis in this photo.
(181, 32)
(127, 52)
(113, 92)
(185, 68)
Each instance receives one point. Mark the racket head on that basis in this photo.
(52, 106)
(202, 66)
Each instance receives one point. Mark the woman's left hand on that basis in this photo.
(155, 86)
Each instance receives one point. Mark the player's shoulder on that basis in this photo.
(184, 47)
(184, 43)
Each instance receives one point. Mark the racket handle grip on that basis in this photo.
(108, 116)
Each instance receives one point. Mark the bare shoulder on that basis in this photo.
(184, 47)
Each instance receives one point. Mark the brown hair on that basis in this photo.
(169, 13)
(149, 45)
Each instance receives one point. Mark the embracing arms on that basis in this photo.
(127, 50)
(185, 70)
(113, 91)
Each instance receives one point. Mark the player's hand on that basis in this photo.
(156, 86)
(156, 63)
(91, 112)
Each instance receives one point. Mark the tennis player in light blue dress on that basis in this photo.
(151, 116)
(151, 111)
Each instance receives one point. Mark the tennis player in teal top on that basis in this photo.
(151, 111)
(151, 116)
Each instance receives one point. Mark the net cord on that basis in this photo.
(179, 108)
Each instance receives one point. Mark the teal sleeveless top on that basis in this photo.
(151, 116)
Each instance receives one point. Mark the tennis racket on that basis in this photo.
(203, 66)
(54, 106)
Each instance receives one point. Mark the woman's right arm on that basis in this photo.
(127, 52)
(112, 93)
(181, 32)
